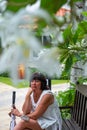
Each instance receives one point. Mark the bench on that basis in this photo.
(78, 120)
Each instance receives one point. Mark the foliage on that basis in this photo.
(74, 48)
(15, 5)
(68, 95)
(4, 74)
(65, 75)
(66, 98)
(50, 5)
(53, 5)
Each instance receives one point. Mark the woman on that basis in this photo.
(40, 109)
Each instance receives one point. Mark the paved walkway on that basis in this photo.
(6, 97)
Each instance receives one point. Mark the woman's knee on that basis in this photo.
(20, 125)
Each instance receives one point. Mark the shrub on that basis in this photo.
(66, 98)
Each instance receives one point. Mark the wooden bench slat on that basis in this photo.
(78, 119)
(76, 127)
(64, 125)
(70, 125)
(75, 105)
(84, 122)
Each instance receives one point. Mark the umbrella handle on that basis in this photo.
(13, 99)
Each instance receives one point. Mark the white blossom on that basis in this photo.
(21, 46)
(47, 62)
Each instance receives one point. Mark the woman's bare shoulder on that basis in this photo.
(48, 98)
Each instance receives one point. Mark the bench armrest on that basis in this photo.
(65, 107)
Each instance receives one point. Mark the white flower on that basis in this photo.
(47, 62)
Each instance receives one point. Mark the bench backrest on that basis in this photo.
(79, 113)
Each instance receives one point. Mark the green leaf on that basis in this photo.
(68, 64)
(78, 57)
(67, 33)
(15, 5)
(75, 36)
(52, 6)
(64, 54)
(83, 26)
(41, 23)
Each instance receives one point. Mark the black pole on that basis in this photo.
(49, 83)
(13, 99)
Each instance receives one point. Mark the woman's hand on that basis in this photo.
(29, 92)
(16, 112)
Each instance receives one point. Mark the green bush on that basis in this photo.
(5, 74)
(66, 98)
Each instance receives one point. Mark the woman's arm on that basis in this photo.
(26, 108)
(47, 100)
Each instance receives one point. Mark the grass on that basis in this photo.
(6, 80)
(59, 81)
(9, 81)
(24, 83)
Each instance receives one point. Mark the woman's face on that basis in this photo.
(36, 84)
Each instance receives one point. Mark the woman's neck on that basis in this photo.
(37, 95)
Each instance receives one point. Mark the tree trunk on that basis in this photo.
(76, 72)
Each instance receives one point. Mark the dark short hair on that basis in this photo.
(40, 77)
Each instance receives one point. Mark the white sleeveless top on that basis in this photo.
(51, 119)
